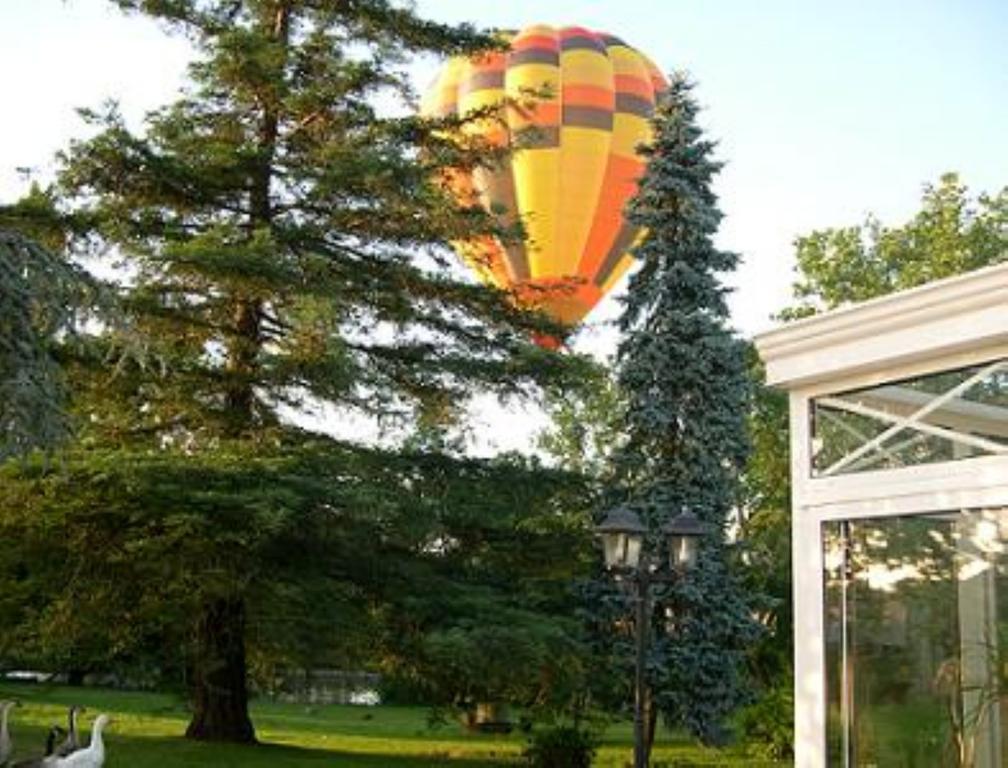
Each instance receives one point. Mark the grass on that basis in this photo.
(148, 727)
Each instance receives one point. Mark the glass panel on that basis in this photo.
(633, 548)
(939, 417)
(916, 634)
(834, 625)
(614, 549)
(683, 551)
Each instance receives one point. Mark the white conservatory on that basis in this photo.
(899, 467)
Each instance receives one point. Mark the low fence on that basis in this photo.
(296, 686)
(322, 686)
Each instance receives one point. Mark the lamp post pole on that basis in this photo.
(622, 535)
(642, 628)
(643, 577)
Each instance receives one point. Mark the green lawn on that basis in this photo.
(147, 733)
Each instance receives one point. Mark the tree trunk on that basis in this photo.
(219, 686)
(219, 692)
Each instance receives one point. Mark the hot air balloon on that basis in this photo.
(574, 165)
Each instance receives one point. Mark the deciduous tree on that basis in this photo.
(952, 233)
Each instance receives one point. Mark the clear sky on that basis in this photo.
(824, 109)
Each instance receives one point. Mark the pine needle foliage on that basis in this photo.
(43, 300)
(682, 372)
(286, 245)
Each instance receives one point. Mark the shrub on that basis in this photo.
(768, 725)
(562, 746)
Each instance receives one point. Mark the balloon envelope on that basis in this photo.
(574, 163)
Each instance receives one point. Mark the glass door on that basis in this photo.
(916, 633)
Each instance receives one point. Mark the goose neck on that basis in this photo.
(97, 744)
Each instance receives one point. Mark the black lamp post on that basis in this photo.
(622, 535)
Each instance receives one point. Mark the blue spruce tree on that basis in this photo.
(682, 372)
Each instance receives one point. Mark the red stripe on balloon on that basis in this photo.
(535, 41)
(588, 96)
(568, 32)
(636, 85)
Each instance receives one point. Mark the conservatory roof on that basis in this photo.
(950, 317)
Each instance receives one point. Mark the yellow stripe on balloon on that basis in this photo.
(586, 67)
(629, 132)
(530, 85)
(443, 96)
(470, 100)
(537, 186)
(536, 169)
(583, 160)
(584, 152)
(625, 60)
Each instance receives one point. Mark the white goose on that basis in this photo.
(6, 743)
(93, 756)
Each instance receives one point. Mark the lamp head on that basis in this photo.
(622, 534)
(683, 533)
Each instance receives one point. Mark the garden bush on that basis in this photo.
(768, 725)
(562, 746)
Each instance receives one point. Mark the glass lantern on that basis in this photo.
(622, 534)
(683, 534)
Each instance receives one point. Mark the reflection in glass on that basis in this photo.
(916, 628)
(939, 417)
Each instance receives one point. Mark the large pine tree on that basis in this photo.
(683, 374)
(285, 246)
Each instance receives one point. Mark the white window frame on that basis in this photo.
(943, 326)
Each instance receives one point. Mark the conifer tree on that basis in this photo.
(286, 246)
(43, 298)
(682, 372)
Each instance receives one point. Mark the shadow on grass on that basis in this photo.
(171, 752)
